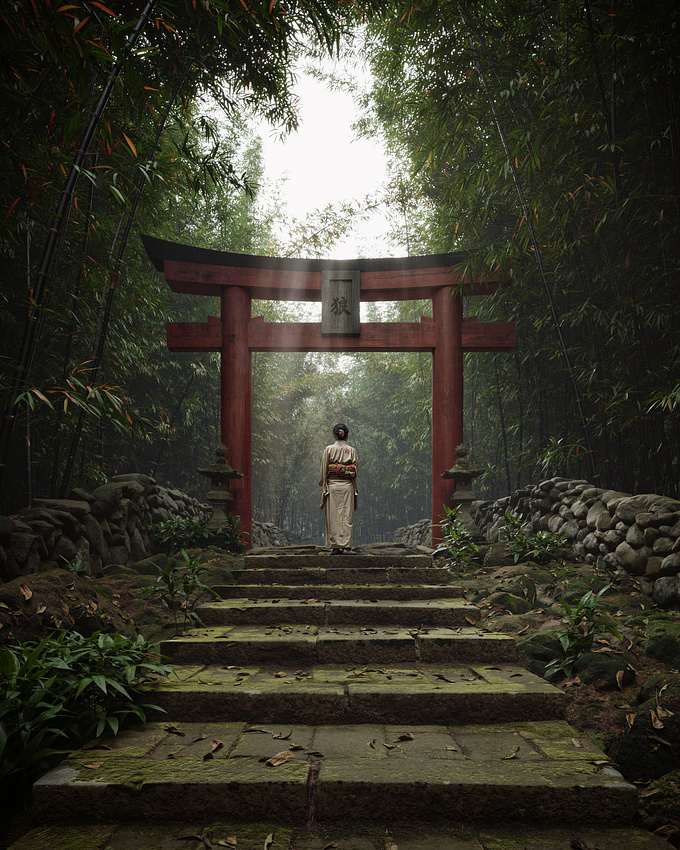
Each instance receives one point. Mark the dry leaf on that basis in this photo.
(94, 766)
(407, 736)
(269, 840)
(279, 675)
(176, 755)
(41, 609)
(389, 746)
(280, 758)
(281, 737)
(201, 737)
(656, 722)
(630, 719)
(471, 621)
(227, 842)
(371, 744)
(216, 745)
(174, 730)
(512, 755)
(619, 678)
(578, 744)
(390, 846)
(663, 712)
(264, 731)
(26, 592)
(330, 845)
(452, 749)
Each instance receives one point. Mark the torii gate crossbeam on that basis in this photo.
(237, 278)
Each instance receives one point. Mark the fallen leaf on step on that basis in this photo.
(452, 749)
(216, 745)
(201, 737)
(407, 736)
(26, 592)
(619, 679)
(269, 840)
(371, 744)
(471, 621)
(94, 766)
(578, 744)
(281, 737)
(264, 731)
(280, 674)
(389, 746)
(227, 842)
(280, 758)
(512, 755)
(176, 755)
(390, 846)
(444, 678)
(664, 712)
(174, 730)
(630, 719)
(330, 845)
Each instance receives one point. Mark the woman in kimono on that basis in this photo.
(339, 481)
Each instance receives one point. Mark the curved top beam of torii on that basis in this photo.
(237, 278)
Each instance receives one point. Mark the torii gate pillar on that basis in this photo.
(447, 394)
(236, 396)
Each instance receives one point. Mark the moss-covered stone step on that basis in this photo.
(334, 612)
(198, 834)
(460, 694)
(527, 772)
(308, 645)
(327, 561)
(340, 591)
(342, 575)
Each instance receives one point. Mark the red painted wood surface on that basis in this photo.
(306, 336)
(236, 398)
(447, 398)
(287, 285)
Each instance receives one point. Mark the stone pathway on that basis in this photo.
(342, 702)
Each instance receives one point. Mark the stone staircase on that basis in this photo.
(342, 702)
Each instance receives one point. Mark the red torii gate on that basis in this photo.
(238, 278)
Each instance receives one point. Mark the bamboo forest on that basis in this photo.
(540, 136)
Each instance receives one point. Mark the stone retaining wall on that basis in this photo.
(640, 534)
(267, 534)
(418, 534)
(109, 525)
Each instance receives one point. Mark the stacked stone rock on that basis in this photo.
(267, 534)
(418, 534)
(109, 525)
(640, 534)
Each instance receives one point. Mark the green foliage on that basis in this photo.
(582, 623)
(173, 535)
(179, 588)
(539, 546)
(64, 689)
(457, 539)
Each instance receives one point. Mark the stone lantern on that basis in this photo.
(219, 496)
(463, 474)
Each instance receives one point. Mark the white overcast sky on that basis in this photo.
(323, 163)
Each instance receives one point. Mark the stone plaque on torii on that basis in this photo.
(238, 278)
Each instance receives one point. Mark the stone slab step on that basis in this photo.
(527, 772)
(175, 835)
(308, 645)
(341, 591)
(356, 561)
(460, 694)
(342, 575)
(336, 612)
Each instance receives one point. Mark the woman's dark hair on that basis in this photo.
(341, 432)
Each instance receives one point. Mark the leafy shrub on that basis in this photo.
(179, 588)
(582, 623)
(540, 546)
(60, 691)
(178, 533)
(457, 539)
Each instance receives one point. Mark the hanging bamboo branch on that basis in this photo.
(55, 231)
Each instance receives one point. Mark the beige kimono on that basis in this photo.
(338, 496)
